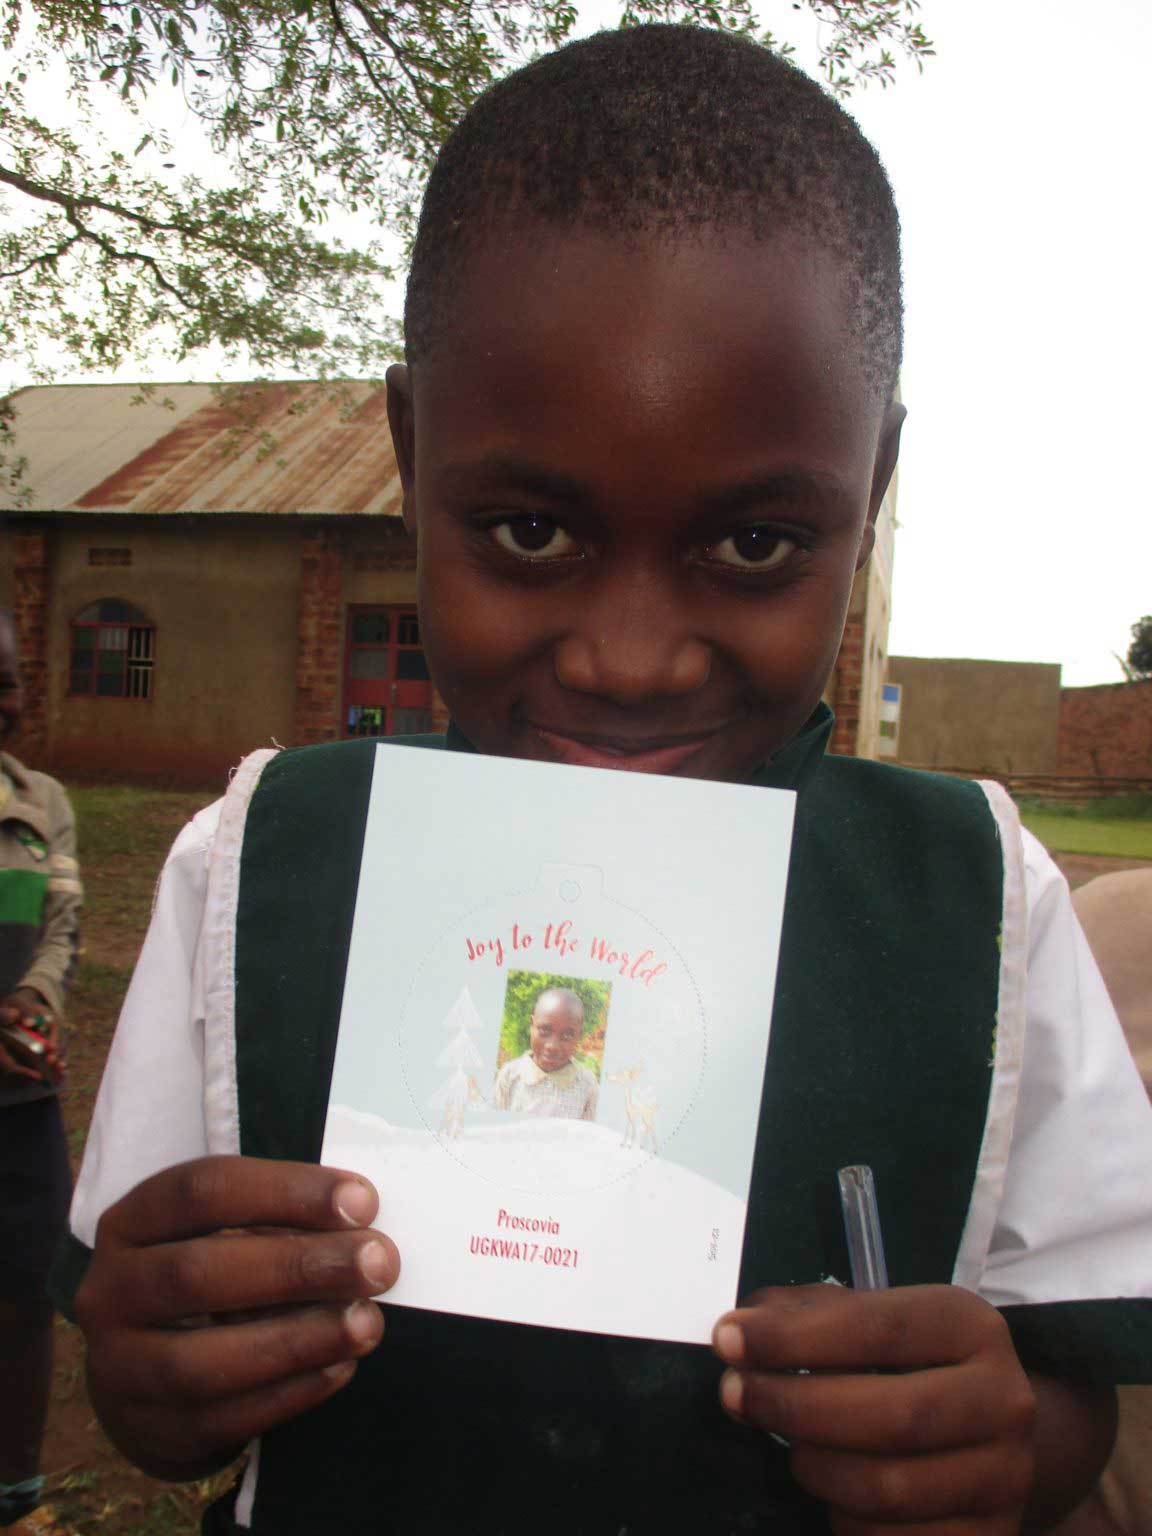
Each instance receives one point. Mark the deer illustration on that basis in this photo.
(640, 1106)
(462, 1091)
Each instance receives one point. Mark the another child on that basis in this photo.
(545, 1081)
(647, 421)
(40, 899)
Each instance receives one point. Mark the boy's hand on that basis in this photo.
(27, 1009)
(225, 1296)
(944, 1444)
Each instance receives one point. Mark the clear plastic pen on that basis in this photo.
(862, 1228)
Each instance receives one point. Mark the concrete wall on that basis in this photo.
(249, 648)
(978, 716)
(223, 600)
(1106, 731)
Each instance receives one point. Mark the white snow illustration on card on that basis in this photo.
(554, 1034)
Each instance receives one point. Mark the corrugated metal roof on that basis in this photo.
(261, 448)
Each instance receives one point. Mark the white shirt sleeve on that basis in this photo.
(1075, 1218)
(149, 1111)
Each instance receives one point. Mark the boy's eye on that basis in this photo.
(534, 538)
(756, 548)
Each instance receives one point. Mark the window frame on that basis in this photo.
(389, 684)
(142, 667)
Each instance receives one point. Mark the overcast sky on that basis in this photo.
(1019, 159)
(1020, 162)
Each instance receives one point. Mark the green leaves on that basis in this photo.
(1139, 658)
(305, 113)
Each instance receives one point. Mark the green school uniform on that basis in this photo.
(883, 1046)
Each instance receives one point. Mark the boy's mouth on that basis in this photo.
(651, 755)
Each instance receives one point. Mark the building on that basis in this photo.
(1106, 731)
(196, 574)
(856, 688)
(1012, 720)
(978, 717)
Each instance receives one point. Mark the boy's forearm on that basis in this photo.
(1075, 1429)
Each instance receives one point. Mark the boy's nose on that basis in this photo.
(631, 655)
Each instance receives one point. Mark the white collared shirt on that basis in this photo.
(569, 1093)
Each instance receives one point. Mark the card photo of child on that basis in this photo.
(549, 1061)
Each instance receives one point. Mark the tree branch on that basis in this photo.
(142, 258)
(383, 35)
(354, 46)
(70, 201)
(202, 233)
(46, 258)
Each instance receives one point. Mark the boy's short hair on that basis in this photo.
(573, 999)
(674, 128)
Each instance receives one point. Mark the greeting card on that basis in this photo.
(554, 1032)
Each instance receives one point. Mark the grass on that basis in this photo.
(1118, 827)
(86, 1504)
(124, 835)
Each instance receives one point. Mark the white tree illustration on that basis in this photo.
(454, 1095)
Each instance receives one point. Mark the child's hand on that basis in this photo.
(944, 1444)
(25, 1009)
(225, 1296)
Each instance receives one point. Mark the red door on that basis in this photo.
(387, 690)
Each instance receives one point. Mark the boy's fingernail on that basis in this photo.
(732, 1392)
(362, 1320)
(341, 1372)
(356, 1203)
(376, 1264)
(729, 1342)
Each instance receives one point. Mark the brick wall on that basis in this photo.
(319, 638)
(30, 615)
(1106, 732)
(848, 679)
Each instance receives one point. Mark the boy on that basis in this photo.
(653, 329)
(545, 1081)
(40, 897)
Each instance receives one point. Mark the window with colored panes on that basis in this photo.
(113, 651)
(387, 688)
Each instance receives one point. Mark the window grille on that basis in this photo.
(113, 652)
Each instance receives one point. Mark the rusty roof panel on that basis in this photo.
(264, 448)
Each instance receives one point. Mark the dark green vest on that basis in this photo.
(882, 1040)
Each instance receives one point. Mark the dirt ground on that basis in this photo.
(1079, 868)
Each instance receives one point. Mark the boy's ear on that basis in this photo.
(401, 421)
(887, 452)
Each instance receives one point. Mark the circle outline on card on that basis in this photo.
(617, 1160)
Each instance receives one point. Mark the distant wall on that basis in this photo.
(1106, 731)
(251, 618)
(978, 716)
(858, 676)
(224, 606)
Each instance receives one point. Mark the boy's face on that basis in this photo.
(643, 474)
(557, 1025)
